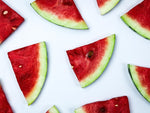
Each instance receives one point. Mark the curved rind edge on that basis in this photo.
(134, 25)
(42, 74)
(108, 6)
(79, 110)
(134, 77)
(103, 64)
(54, 19)
(53, 109)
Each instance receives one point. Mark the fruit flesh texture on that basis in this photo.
(114, 105)
(60, 12)
(4, 105)
(30, 66)
(9, 21)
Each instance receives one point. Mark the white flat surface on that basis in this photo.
(61, 86)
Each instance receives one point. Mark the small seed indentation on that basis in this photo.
(90, 54)
(20, 66)
(116, 105)
(102, 110)
(5, 12)
(72, 67)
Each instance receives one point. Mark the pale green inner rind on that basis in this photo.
(79, 110)
(54, 19)
(53, 110)
(103, 63)
(136, 81)
(136, 26)
(108, 6)
(42, 74)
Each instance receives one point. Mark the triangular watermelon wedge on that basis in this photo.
(89, 61)
(114, 105)
(53, 110)
(30, 67)
(4, 105)
(141, 78)
(9, 21)
(138, 19)
(106, 5)
(60, 12)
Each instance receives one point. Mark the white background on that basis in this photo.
(61, 86)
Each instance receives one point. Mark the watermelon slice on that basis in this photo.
(60, 12)
(4, 105)
(89, 61)
(114, 105)
(141, 78)
(106, 5)
(30, 67)
(9, 21)
(53, 110)
(138, 19)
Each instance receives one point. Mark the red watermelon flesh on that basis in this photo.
(28, 64)
(102, 2)
(9, 21)
(4, 105)
(86, 60)
(141, 78)
(114, 105)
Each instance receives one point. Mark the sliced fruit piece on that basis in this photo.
(53, 110)
(138, 19)
(60, 12)
(4, 105)
(106, 5)
(141, 78)
(9, 21)
(89, 61)
(114, 105)
(30, 67)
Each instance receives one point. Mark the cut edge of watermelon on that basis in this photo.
(53, 109)
(42, 74)
(54, 19)
(79, 110)
(103, 64)
(134, 25)
(136, 81)
(108, 6)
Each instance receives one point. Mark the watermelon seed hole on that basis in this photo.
(20, 66)
(90, 54)
(13, 28)
(102, 110)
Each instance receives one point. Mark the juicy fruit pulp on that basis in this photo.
(141, 78)
(53, 110)
(9, 21)
(106, 5)
(4, 105)
(138, 19)
(60, 12)
(89, 61)
(30, 67)
(114, 105)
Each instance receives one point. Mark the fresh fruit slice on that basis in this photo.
(138, 19)
(53, 110)
(106, 5)
(9, 21)
(141, 78)
(114, 105)
(4, 105)
(30, 67)
(60, 12)
(89, 61)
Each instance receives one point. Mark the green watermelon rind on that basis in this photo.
(136, 81)
(42, 74)
(79, 110)
(134, 25)
(103, 63)
(54, 19)
(53, 110)
(108, 6)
